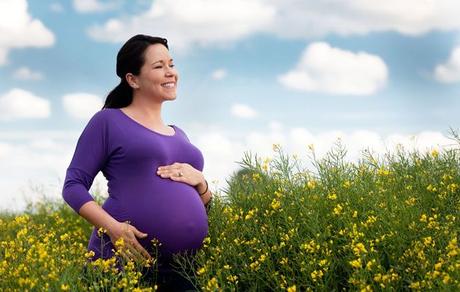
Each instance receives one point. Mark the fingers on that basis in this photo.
(134, 252)
(169, 172)
(142, 250)
(132, 249)
(174, 166)
(139, 234)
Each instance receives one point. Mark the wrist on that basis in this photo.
(202, 188)
(112, 226)
(201, 185)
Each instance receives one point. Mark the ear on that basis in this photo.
(132, 80)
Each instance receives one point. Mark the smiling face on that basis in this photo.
(158, 76)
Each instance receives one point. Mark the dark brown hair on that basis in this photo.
(130, 59)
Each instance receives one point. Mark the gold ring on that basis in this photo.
(180, 174)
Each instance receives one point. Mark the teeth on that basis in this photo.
(168, 85)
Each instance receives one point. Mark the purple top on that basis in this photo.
(128, 154)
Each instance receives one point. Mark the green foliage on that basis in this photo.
(382, 223)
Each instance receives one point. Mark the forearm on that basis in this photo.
(97, 216)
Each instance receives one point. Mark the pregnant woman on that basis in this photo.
(155, 183)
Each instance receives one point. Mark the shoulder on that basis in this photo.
(102, 116)
(101, 120)
(180, 131)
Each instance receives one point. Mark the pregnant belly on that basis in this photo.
(172, 212)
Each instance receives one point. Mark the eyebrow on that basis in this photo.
(161, 61)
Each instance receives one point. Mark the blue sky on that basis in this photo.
(252, 73)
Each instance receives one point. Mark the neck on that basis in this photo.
(147, 108)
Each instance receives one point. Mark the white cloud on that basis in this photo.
(323, 68)
(220, 22)
(32, 166)
(81, 105)
(56, 7)
(275, 126)
(449, 72)
(87, 6)
(26, 73)
(207, 22)
(3, 55)
(219, 74)
(5, 149)
(243, 111)
(21, 104)
(309, 18)
(19, 30)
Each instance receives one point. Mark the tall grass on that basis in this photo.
(381, 223)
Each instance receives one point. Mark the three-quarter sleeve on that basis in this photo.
(88, 159)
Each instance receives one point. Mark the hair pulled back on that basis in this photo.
(130, 59)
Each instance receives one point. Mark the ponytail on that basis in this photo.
(120, 96)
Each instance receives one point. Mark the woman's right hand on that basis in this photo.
(131, 248)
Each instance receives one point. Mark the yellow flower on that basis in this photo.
(359, 248)
(266, 163)
(201, 271)
(255, 265)
(446, 279)
(452, 187)
(311, 184)
(338, 209)
(100, 231)
(427, 241)
(120, 242)
(65, 287)
(89, 254)
(383, 172)
(284, 261)
(431, 188)
(437, 266)
(275, 204)
(64, 236)
(423, 218)
(316, 275)
(232, 278)
(21, 219)
(292, 289)
(332, 196)
(435, 153)
(410, 201)
(356, 263)
(370, 264)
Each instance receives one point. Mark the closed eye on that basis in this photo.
(158, 67)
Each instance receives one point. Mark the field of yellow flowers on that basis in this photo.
(382, 223)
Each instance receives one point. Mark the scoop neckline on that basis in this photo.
(139, 124)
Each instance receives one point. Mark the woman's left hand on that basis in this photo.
(182, 172)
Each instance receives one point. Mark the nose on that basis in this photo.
(170, 71)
